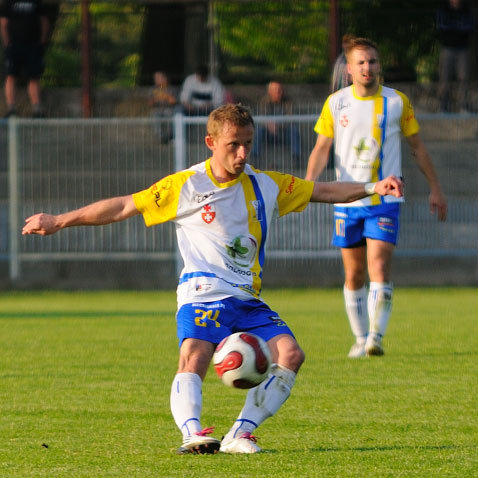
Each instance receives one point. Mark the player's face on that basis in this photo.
(230, 150)
(364, 67)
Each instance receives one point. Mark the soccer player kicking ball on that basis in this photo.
(364, 122)
(223, 210)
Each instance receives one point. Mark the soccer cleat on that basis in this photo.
(199, 443)
(246, 443)
(357, 351)
(373, 346)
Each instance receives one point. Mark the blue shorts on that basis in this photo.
(212, 321)
(354, 224)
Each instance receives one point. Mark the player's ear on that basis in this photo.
(210, 142)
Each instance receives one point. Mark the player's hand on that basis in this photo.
(391, 185)
(42, 224)
(438, 204)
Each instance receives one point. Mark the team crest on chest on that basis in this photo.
(208, 213)
(344, 121)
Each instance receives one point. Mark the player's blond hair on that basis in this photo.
(358, 43)
(235, 114)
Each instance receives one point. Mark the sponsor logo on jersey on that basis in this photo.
(257, 210)
(199, 198)
(290, 187)
(208, 213)
(242, 250)
(208, 305)
(341, 105)
(340, 214)
(366, 150)
(160, 192)
(203, 287)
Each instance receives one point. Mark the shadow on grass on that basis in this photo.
(83, 315)
(385, 448)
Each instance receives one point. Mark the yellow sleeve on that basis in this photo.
(325, 123)
(408, 122)
(294, 193)
(159, 203)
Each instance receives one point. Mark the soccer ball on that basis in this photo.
(242, 360)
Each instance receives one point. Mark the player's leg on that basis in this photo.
(198, 331)
(348, 235)
(186, 396)
(381, 230)
(266, 399)
(355, 297)
(380, 294)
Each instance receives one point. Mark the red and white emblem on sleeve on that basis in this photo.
(208, 213)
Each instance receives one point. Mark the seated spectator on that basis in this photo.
(201, 93)
(162, 101)
(275, 103)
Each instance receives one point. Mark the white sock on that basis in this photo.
(263, 401)
(356, 308)
(186, 402)
(380, 306)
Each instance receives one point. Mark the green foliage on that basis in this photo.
(85, 381)
(404, 32)
(115, 34)
(291, 38)
(281, 35)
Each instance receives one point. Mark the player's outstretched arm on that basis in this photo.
(96, 214)
(347, 192)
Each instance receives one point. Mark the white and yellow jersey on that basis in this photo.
(367, 135)
(221, 227)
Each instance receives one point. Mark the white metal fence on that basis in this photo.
(57, 165)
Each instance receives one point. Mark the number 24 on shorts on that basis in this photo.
(205, 315)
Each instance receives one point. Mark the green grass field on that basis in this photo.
(85, 381)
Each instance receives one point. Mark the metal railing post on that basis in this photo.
(13, 200)
(179, 164)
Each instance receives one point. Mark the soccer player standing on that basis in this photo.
(364, 122)
(223, 210)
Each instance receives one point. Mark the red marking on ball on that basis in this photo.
(231, 361)
(261, 360)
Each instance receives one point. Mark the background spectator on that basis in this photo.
(454, 28)
(201, 92)
(276, 103)
(340, 75)
(24, 28)
(162, 102)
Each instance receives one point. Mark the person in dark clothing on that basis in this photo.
(454, 29)
(24, 27)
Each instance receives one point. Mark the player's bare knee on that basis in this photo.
(292, 358)
(195, 357)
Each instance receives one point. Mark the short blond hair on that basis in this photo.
(358, 43)
(235, 114)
